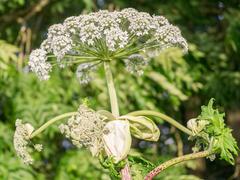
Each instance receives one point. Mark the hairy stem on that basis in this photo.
(125, 172)
(174, 161)
(111, 89)
(163, 117)
(51, 121)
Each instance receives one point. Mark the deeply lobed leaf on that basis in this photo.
(223, 141)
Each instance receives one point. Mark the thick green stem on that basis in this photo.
(163, 117)
(51, 121)
(174, 161)
(125, 172)
(111, 89)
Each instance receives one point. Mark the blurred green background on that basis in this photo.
(174, 83)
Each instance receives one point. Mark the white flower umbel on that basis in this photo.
(60, 46)
(21, 141)
(83, 72)
(38, 64)
(117, 141)
(135, 64)
(116, 38)
(105, 36)
(85, 129)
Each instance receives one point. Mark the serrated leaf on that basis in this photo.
(213, 115)
(224, 142)
(139, 167)
(227, 146)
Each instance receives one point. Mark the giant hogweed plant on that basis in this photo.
(98, 39)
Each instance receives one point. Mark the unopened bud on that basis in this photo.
(117, 142)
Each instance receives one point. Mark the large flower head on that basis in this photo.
(106, 36)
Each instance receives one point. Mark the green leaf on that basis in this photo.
(168, 86)
(223, 141)
(215, 118)
(7, 55)
(226, 145)
(139, 167)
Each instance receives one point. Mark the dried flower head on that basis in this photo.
(105, 35)
(21, 141)
(85, 129)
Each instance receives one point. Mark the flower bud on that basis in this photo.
(196, 125)
(202, 124)
(117, 142)
(143, 128)
(192, 124)
(29, 129)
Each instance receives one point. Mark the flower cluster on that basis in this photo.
(90, 129)
(105, 35)
(39, 65)
(83, 72)
(21, 141)
(135, 64)
(85, 129)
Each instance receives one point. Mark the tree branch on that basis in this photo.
(22, 16)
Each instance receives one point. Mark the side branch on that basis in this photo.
(51, 121)
(174, 161)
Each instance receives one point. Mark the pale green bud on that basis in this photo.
(29, 129)
(202, 124)
(196, 125)
(192, 124)
(143, 128)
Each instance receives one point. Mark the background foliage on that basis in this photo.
(176, 84)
